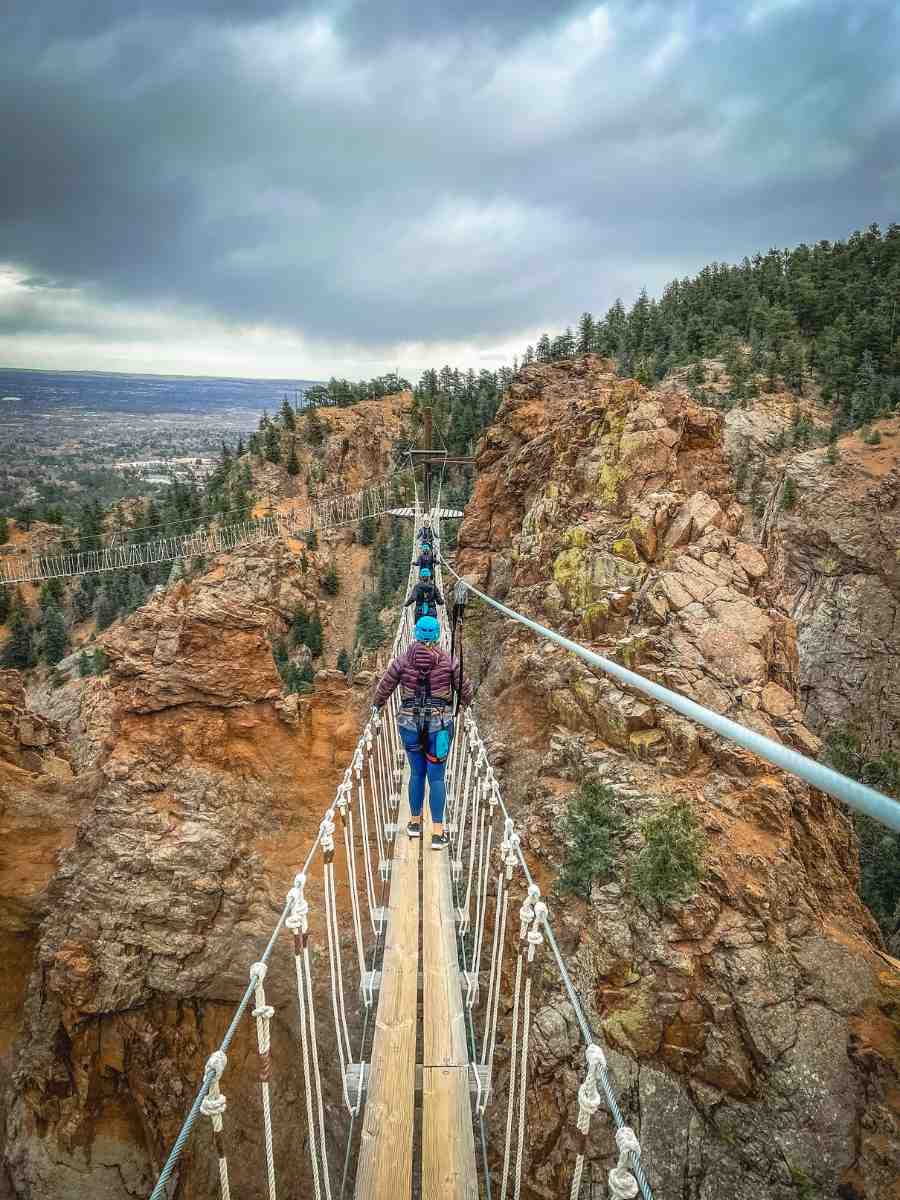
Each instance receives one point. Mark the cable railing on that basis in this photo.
(858, 796)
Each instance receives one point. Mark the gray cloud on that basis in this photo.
(379, 173)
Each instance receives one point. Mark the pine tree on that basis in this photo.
(105, 608)
(300, 626)
(788, 493)
(56, 638)
(5, 601)
(343, 661)
(368, 528)
(832, 455)
(542, 351)
(293, 463)
(272, 444)
(330, 581)
(314, 638)
(19, 649)
(137, 593)
(312, 540)
(287, 415)
(315, 429)
(4, 530)
(585, 333)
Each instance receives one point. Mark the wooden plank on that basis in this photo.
(448, 1144)
(386, 1141)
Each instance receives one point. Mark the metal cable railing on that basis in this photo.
(855, 795)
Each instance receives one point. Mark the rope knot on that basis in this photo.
(596, 1059)
(213, 1106)
(526, 912)
(626, 1140)
(622, 1184)
(265, 1012)
(297, 919)
(217, 1062)
(258, 972)
(327, 831)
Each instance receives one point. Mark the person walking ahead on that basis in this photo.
(427, 678)
(425, 595)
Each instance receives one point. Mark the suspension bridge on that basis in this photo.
(435, 938)
(459, 928)
(149, 546)
(451, 925)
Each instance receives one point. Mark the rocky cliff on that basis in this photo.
(836, 562)
(754, 1027)
(158, 815)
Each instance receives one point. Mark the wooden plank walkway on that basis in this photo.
(386, 1141)
(448, 1145)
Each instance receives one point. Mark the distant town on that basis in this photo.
(66, 437)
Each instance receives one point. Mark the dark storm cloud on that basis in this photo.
(395, 171)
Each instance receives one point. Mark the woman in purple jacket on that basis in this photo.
(425, 676)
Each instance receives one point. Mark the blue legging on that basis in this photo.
(419, 769)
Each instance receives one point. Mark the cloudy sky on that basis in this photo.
(275, 188)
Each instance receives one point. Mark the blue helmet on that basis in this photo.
(427, 629)
(425, 573)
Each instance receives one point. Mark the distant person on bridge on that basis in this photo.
(428, 679)
(425, 595)
(426, 556)
(426, 533)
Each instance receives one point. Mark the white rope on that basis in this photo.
(314, 1052)
(463, 810)
(335, 967)
(213, 1105)
(367, 843)
(535, 939)
(526, 916)
(344, 806)
(382, 773)
(504, 878)
(622, 1184)
(298, 922)
(589, 1099)
(481, 899)
(376, 800)
(473, 843)
(263, 1013)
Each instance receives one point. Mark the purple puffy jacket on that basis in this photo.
(416, 662)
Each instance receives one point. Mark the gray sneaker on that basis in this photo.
(414, 829)
(439, 841)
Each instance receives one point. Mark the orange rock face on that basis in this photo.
(147, 877)
(734, 1015)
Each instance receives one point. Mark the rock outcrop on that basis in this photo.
(753, 1027)
(836, 560)
(153, 877)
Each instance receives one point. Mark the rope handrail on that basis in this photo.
(858, 796)
(324, 839)
(209, 1074)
